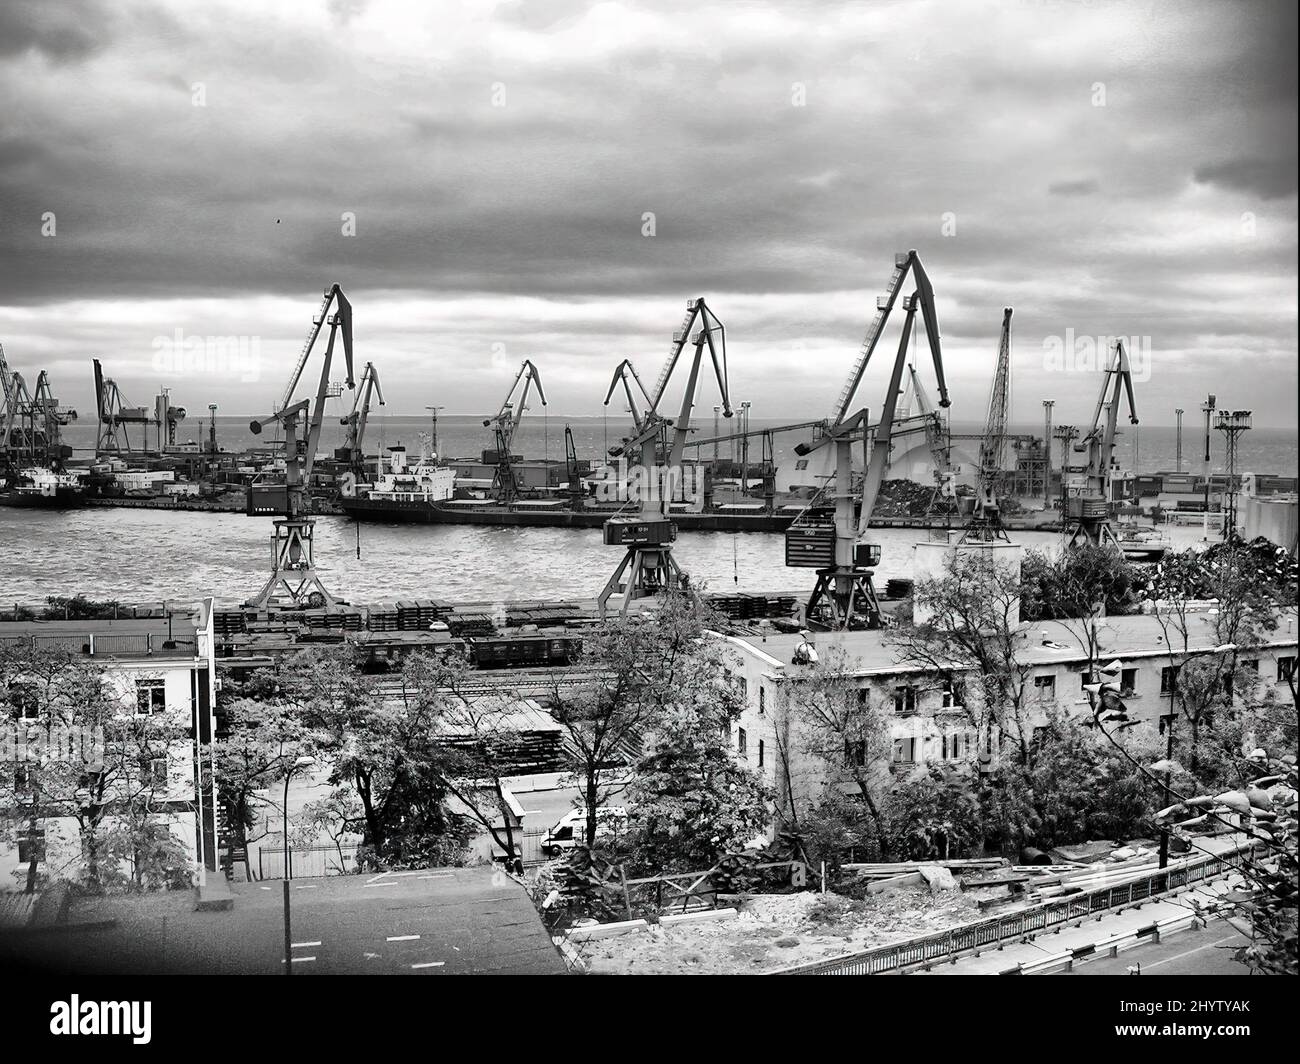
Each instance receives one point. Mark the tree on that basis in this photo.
(88, 758)
(690, 800)
(1072, 583)
(636, 663)
(263, 743)
(934, 816)
(969, 637)
(834, 719)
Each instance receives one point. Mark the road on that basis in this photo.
(454, 921)
(1205, 951)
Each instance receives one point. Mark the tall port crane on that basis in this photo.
(1087, 490)
(505, 423)
(937, 441)
(626, 375)
(351, 451)
(115, 415)
(30, 422)
(647, 535)
(985, 522)
(293, 580)
(845, 596)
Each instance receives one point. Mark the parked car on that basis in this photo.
(570, 829)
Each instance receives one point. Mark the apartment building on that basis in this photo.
(929, 719)
(160, 671)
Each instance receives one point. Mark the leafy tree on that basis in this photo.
(970, 629)
(835, 720)
(934, 817)
(1071, 583)
(637, 662)
(90, 759)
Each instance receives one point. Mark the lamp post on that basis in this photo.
(302, 762)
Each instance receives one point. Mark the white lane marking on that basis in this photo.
(309, 886)
(376, 879)
(429, 964)
(299, 960)
(440, 875)
(402, 938)
(1198, 949)
(388, 883)
(406, 873)
(304, 945)
(263, 888)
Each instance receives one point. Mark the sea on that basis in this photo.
(150, 556)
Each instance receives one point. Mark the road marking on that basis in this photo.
(299, 960)
(309, 886)
(263, 888)
(304, 945)
(376, 879)
(402, 938)
(371, 956)
(1180, 956)
(429, 964)
(387, 883)
(406, 873)
(440, 875)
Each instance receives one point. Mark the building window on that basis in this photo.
(760, 753)
(1169, 679)
(1085, 678)
(855, 753)
(150, 696)
(153, 772)
(904, 751)
(905, 699)
(1045, 688)
(762, 700)
(742, 742)
(31, 846)
(1166, 721)
(1252, 664)
(1128, 682)
(1285, 668)
(22, 779)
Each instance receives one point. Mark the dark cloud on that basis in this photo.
(1268, 178)
(61, 32)
(784, 152)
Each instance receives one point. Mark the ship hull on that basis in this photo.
(62, 499)
(433, 513)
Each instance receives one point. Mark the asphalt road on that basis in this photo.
(456, 921)
(1205, 951)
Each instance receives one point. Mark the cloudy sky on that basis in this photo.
(1106, 168)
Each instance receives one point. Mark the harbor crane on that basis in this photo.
(505, 423)
(937, 441)
(1088, 501)
(351, 451)
(294, 580)
(844, 595)
(647, 535)
(626, 375)
(116, 416)
(984, 525)
(30, 422)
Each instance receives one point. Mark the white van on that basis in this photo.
(571, 828)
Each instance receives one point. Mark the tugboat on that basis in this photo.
(40, 488)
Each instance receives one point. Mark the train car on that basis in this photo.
(521, 651)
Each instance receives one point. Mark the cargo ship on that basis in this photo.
(426, 493)
(43, 489)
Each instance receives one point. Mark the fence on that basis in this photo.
(945, 945)
(308, 862)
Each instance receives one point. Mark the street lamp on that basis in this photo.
(302, 762)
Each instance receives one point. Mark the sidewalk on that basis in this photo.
(1092, 930)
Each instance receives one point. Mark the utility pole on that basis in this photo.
(1208, 408)
(1047, 450)
(1178, 452)
(212, 430)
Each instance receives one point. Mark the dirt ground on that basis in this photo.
(779, 930)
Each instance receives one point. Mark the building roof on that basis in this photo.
(1044, 642)
(128, 637)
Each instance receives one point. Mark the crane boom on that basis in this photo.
(359, 417)
(903, 262)
(625, 373)
(985, 522)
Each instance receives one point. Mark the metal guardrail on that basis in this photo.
(943, 945)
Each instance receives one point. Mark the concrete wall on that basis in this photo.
(930, 559)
